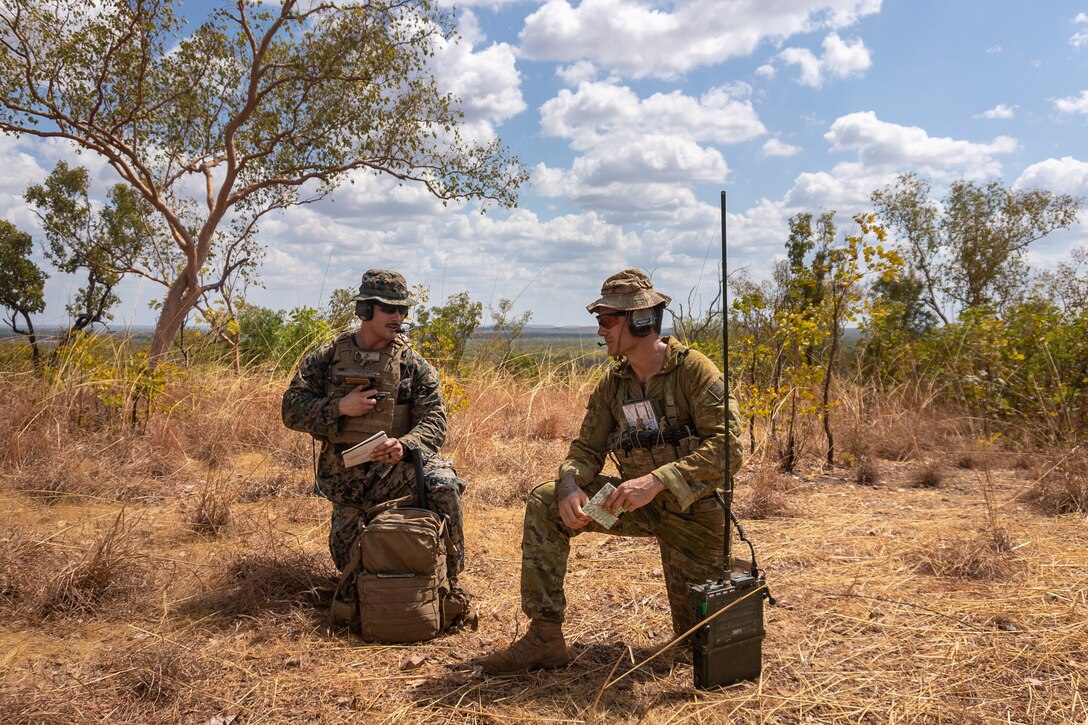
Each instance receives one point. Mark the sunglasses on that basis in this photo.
(390, 309)
(608, 320)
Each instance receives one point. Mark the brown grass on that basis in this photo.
(867, 472)
(1063, 486)
(897, 604)
(765, 493)
(930, 475)
(109, 570)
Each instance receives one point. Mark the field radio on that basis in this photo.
(727, 644)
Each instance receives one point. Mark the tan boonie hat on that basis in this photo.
(385, 286)
(630, 289)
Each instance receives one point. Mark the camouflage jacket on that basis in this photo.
(308, 408)
(700, 396)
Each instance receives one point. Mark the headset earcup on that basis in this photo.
(364, 309)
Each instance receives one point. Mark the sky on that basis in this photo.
(631, 116)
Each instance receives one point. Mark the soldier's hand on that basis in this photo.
(360, 401)
(573, 498)
(391, 451)
(634, 494)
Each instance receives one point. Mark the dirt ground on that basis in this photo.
(942, 599)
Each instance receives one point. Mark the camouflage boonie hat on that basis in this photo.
(382, 285)
(630, 289)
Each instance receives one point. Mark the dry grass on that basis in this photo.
(1063, 487)
(930, 475)
(896, 602)
(867, 472)
(765, 493)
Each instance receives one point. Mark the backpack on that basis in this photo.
(395, 587)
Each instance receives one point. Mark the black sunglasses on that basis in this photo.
(390, 309)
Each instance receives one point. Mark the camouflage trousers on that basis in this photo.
(691, 549)
(444, 490)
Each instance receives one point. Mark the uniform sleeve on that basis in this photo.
(695, 475)
(585, 457)
(428, 407)
(305, 405)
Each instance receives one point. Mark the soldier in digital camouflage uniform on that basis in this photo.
(404, 400)
(667, 479)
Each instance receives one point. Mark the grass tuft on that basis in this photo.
(928, 476)
(109, 570)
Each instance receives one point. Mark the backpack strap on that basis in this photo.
(421, 486)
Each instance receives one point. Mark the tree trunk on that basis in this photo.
(32, 338)
(180, 300)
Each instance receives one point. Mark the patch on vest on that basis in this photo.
(717, 390)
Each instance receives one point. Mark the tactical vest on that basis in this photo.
(636, 460)
(381, 368)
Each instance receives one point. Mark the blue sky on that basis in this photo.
(632, 116)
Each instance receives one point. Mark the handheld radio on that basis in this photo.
(727, 646)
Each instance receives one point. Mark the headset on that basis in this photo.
(365, 309)
(642, 322)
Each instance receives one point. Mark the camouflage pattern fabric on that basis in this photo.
(684, 518)
(691, 549)
(444, 490)
(308, 407)
(700, 397)
(384, 286)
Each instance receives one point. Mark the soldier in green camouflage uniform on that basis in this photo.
(334, 414)
(666, 485)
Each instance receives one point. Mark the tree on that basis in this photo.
(988, 229)
(970, 248)
(506, 328)
(22, 284)
(262, 107)
(442, 332)
(906, 209)
(104, 244)
(340, 312)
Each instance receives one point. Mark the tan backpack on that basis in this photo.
(395, 587)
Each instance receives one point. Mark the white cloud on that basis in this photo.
(1073, 104)
(765, 71)
(882, 144)
(598, 110)
(1080, 38)
(641, 38)
(1063, 176)
(577, 73)
(775, 147)
(634, 177)
(487, 82)
(1000, 111)
(840, 60)
(641, 156)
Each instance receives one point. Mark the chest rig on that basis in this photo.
(352, 367)
(638, 450)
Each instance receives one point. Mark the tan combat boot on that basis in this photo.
(542, 647)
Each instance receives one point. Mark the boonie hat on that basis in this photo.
(630, 289)
(385, 286)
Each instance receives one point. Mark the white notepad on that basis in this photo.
(360, 453)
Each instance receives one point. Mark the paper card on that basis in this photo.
(594, 509)
(360, 452)
(641, 414)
